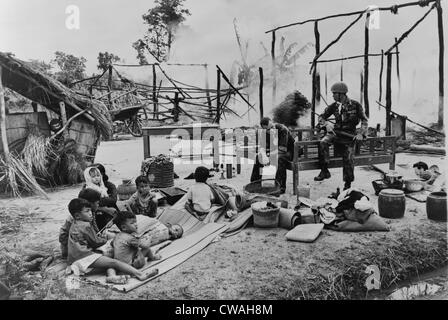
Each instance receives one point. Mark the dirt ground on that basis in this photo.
(254, 264)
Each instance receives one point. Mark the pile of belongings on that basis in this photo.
(350, 211)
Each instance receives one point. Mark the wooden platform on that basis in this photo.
(373, 150)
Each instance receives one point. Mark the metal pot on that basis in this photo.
(393, 177)
(414, 185)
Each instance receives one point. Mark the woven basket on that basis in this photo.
(161, 175)
(265, 217)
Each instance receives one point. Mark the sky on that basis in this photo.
(36, 29)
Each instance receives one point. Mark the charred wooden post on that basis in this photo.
(361, 95)
(109, 88)
(207, 91)
(3, 118)
(274, 79)
(314, 83)
(366, 65)
(381, 76)
(154, 93)
(342, 70)
(388, 94)
(218, 96)
(260, 71)
(441, 62)
(176, 110)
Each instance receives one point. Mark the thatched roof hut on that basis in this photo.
(22, 78)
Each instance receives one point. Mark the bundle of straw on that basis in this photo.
(18, 176)
(37, 153)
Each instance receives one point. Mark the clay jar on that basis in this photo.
(126, 189)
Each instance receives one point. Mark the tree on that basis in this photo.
(105, 59)
(163, 21)
(71, 68)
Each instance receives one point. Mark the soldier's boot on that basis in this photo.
(324, 174)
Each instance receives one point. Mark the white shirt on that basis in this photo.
(201, 196)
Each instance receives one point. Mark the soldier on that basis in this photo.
(348, 113)
(285, 151)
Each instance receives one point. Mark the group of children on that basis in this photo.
(93, 212)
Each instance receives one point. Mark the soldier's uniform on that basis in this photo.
(285, 151)
(346, 120)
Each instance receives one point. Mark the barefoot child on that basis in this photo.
(143, 201)
(82, 242)
(126, 244)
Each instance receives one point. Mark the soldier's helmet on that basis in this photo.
(339, 87)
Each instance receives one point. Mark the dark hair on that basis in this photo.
(122, 216)
(102, 171)
(76, 205)
(420, 165)
(90, 195)
(141, 179)
(265, 121)
(201, 174)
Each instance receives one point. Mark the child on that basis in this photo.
(160, 233)
(421, 170)
(94, 180)
(82, 242)
(99, 221)
(143, 201)
(200, 196)
(126, 244)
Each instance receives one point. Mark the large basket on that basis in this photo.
(265, 217)
(160, 175)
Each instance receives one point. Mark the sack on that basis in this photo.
(374, 223)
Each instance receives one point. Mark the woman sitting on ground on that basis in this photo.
(94, 180)
(111, 200)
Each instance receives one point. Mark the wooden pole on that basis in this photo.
(441, 63)
(154, 93)
(314, 80)
(398, 71)
(3, 119)
(342, 70)
(207, 91)
(388, 94)
(361, 96)
(381, 75)
(408, 4)
(274, 78)
(63, 118)
(218, 95)
(366, 65)
(176, 107)
(260, 71)
(109, 88)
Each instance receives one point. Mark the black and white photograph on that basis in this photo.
(223, 155)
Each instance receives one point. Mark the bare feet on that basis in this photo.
(156, 256)
(147, 275)
(118, 279)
